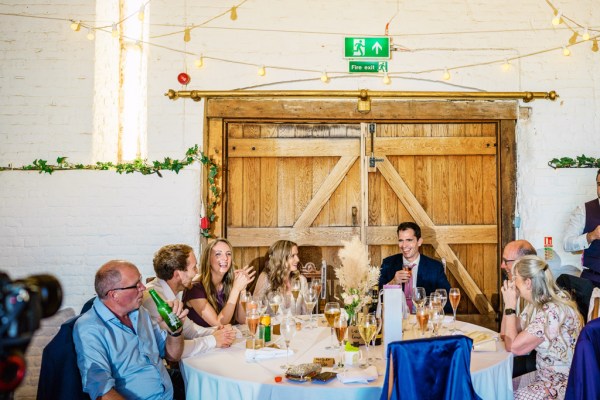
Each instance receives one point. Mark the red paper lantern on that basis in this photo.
(183, 78)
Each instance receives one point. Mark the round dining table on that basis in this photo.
(229, 374)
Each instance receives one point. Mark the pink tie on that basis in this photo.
(408, 289)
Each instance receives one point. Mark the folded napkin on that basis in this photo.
(489, 345)
(265, 353)
(358, 375)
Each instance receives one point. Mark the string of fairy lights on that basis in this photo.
(579, 34)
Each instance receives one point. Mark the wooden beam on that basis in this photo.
(443, 249)
(455, 234)
(264, 237)
(443, 146)
(320, 198)
(292, 147)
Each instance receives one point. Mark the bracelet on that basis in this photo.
(174, 334)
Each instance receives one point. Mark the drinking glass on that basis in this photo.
(262, 303)
(317, 285)
(288, 331)
(244, 295)
(310, 299)
(367, 328)
(454, 297)
(422, 316)
(437, 321)
(332, 311)
(443, 297)
(419, 296)
(379, 326)
(340, 324)
(287, 302)
(274, 298)
(252, 320)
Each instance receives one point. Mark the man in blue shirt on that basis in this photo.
(119, 348)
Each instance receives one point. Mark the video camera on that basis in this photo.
(22, 304)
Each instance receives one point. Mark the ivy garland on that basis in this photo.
(192, 155)
(578, 162)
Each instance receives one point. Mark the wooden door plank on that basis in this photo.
(268, 191)
(423, 146)
(292, 147)
(321, 170)
(323, 236)
(455, 234)
(453, 263)
(325, 191)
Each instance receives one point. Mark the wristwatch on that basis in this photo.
(177, 334)
(510, 311)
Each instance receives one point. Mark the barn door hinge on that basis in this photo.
(372, 159)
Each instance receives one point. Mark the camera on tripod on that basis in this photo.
(23, 303)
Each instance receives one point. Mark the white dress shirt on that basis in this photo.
(198, 339)
(575, 239)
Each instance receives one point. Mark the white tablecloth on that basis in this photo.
(225, 373)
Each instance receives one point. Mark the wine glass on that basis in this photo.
(262, 303)
(379, 327)
(437, 321)
(244, 296)
(419, 296)
(422, 316)
(310, 299)
(288, 331)
(443, 297)
(367, 328)
(252, 320)
(340, 324)
(287, 301)
(274, 298)
(454, 297)
(332, 311)
(317, 285)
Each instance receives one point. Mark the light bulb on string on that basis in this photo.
(199, 61)
(187, 35)
(233, 14)
(507, 66)
(386, 79)
(446, 75)
(115, 31)
(324, 77)
(142, 12)
(573, 38)
(557, 20)
(262, 71)
(586, 34)
(595, 45)
(566, 52)
(75, 26)
(90, 35)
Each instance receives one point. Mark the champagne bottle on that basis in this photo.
(165, 311)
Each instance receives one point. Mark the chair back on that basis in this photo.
(431, 368)
(584, 376)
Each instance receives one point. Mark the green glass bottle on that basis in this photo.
(165, 311)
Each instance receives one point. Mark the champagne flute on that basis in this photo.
(252, 320)
(263, 303)
(419, 296)
(379, 327)
(288, 331)
(317, 285)
(443, 297)
(367, 328)
(340, 324)
(244, 295)
(310, 299)
(422, 318)
(454, 297)
(437, 321)
(332, 311)
(274, 298)
(295, 287)
(287, 301)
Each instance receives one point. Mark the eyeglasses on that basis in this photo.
(136, 286)
(505, 261)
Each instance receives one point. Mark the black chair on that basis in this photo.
(580, 289)
(432, 368)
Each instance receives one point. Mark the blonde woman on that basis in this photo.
(281, 268)
(550, 324)
(213, 297)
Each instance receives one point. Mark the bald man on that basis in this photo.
(513, 251)
(120, 349)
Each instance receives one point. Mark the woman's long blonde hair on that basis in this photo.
(206, 275)
(544, 289)
(277, 269)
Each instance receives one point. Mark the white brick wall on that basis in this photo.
(70, 223)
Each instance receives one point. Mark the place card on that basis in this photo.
(324, 361)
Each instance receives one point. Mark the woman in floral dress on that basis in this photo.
(550, 324)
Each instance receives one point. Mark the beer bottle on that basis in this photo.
(165, 311)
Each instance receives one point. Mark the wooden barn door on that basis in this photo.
(314, 182)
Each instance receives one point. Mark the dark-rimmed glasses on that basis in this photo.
(135, 286)
(505, 261)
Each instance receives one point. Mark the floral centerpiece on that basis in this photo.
(356, 276)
